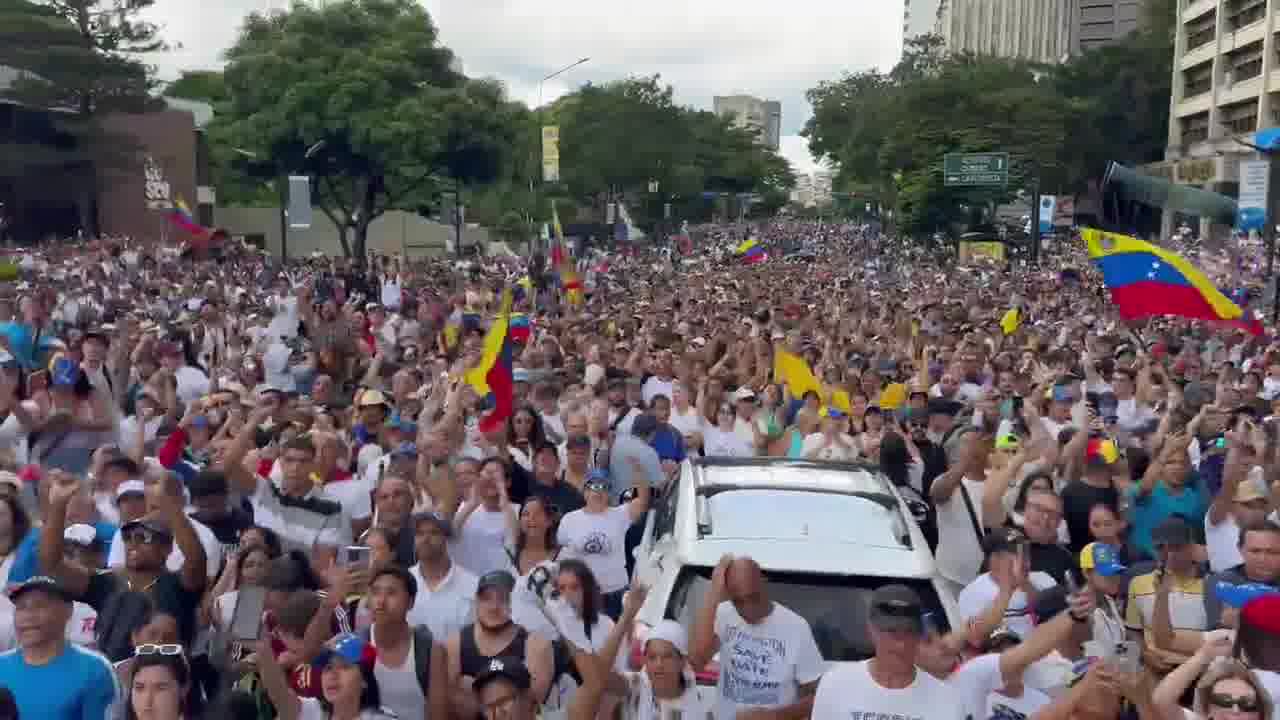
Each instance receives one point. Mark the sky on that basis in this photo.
(768, 48)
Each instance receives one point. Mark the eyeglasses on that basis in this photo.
(155, 649)
(1247, 703)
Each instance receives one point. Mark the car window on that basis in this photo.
(664, 520)
(835, 607)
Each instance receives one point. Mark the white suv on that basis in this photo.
(826, 534)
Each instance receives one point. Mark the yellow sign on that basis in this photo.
(550, 153)
(972, 250)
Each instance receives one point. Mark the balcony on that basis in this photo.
(1194, 135)
(1194, 106)
(1242, 37)
(1193, 9)
(1195, 88)
(1245, 14)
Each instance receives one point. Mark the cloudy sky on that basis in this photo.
(769, 48)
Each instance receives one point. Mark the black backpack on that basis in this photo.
(422, 644)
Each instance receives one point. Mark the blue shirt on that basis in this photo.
(1147, 512)
(79, 684)
(26, 560)
(669, 443)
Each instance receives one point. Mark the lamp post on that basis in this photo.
(282, 191)
(537, 145)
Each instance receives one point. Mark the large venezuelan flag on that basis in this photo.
(493, 377)
(1147, 280)
(181, 216)
(751, 252)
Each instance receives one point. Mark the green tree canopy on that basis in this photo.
(360, 95)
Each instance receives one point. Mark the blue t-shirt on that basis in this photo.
(79, 684)
(26, 560)
(1145, 513)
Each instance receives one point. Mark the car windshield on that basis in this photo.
(835, 607)
(809, 516)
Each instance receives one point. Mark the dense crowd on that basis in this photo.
(236, 488)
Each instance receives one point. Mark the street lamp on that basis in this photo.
(282, 191)
(538, 130)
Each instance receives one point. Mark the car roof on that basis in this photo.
(798, 516)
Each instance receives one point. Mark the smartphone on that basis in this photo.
(1127, 657)
(1017, 406)
(355, 556)
(1073, 585)
(246, 619)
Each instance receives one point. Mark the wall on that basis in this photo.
(168, 136)
(393, 232)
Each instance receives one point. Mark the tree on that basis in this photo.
(361, 96)
(201, 85)
(79, 58)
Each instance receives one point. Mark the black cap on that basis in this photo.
(43, 583)
(1003, 540)
(154, 524)
(1173, 530)
(644, 424)
(508, 667)
(496, 578)
(941, 406)
(896, 607)
(208, 482)
(96, 332)
(1051, 602)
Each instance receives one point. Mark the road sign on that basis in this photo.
(975, 169)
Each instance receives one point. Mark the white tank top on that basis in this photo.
(399, 686)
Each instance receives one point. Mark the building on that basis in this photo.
(1095, 23)
(919, 17)
(822, 187)
(1226, 86)
(764, 117)
(1036, 30)
(802, 193)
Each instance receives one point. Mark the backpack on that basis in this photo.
(422, 644)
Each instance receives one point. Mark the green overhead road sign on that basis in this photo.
(975, 169)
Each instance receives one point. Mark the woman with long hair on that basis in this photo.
(578, 612)
(1226, 689)
(159, 686)
(249, 570)
(524, 433)
(533, 556)
(14, 526)
(348, 687)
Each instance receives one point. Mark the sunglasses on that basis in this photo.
(144, 536)
(1246, 703)
(154, 649)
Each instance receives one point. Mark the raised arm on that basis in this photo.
(62, 488)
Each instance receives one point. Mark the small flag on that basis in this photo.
(493, 379)
(1011, 321)
(520, 328)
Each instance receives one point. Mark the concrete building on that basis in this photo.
(822, 187)
(764, 117)
(802, 193)
(919, 17)
(1095, 23)
(1037, 30)
(1226, 85)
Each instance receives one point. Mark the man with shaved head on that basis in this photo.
(769, 661)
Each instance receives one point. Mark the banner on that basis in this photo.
(970, 250)
(155, 186)
(1047, 205)
(299, 212)
(1251, 207)
(551, 153)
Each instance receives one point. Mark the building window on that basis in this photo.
(1195, 128)
(1199, 38)
(1247, 13)
(1248, 70)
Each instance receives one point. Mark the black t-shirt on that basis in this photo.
(227, 526)
(564, 496)
(1053, 559)
(166, 593)
(1078, 498)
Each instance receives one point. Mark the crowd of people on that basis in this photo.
(240, 488)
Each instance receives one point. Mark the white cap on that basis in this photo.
(593, 374)
(130, 486)
(671, 631)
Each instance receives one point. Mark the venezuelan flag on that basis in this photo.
(182, 218)
(1147, 280)
(1011, 321)
(523, 289)
(452, 328)
(520, 328)
(792, 370)
(751, 252)
(492, 378)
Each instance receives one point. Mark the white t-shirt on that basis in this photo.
(599, 540)
(764, 665)
(686, 423)
(1002, 707)
(848, 692)
(1271, 682)
(13, 436)
(696, 703)
(978, 595)
(192, 384)
(448, 607)
(212, 551)
(959, 553)
(718, 443)
(312, 710)
(481, 545)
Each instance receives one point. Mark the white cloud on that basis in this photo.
(770, 49)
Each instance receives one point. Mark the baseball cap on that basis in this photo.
(371, 398)
(436, 519)
(644, 424)
(154, 524)
(671, 631)
(1240, 595)
(507, 667)
(896, 608)
(206, 483)
(130, 487)
(1101, 451)
(598, 480)
(1102, 559)
(744, 393)
(82, 534)
(65, 372)
(404, 451)
(351, 649)
(496, 578)
(43, 583)
(1262, 613)
(950, 408)
(1003, 540)
(1173, 530)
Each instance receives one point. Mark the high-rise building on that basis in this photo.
(1095, 23)
(1226, 85)
(1037, 30)
(919, 17)
(764, 117)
